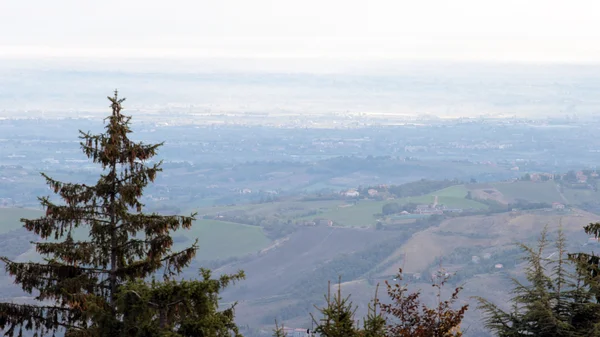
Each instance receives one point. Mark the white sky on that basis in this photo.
(499, 30)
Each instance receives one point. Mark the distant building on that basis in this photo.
(422, 209)
(475, 259)
(581, 177)
(351, 193)
(558, 206)
(487, 256)
(372, 192)
(499, 266)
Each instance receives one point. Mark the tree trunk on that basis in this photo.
(113, 242)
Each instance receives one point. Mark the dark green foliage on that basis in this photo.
(558, 299)
(81, 279)
(394, 207)
(177, 308)
(374, 324)
(279, 330)
(337, 315)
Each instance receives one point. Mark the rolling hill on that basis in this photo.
(288, 274)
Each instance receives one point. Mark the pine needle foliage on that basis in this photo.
(557, 300)
(178, 308)
(79, 280)
(374, 324)
(279, 330)
(337, 315)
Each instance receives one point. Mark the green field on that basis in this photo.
(454, 202)
(361, 214)
(219, 239)
(291, 209)
(216, 239)
(10, 217)
(577, 196)
(530, 191)
(457, 191)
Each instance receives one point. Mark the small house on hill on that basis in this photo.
(351, 193)
(558, 206)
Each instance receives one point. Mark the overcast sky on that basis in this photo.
(504, 30)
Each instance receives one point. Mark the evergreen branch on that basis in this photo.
(30, 274)
(150, 171)
(39, 318)
(176, 261)
(80, 252)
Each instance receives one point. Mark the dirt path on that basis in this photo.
(435, 201)
(566, 201)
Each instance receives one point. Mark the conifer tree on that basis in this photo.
(374, 324)
(79, 281)
(177, 308)
(556, 301)
(337, 315)
(279, 330)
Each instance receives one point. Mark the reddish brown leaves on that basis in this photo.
(415, 319)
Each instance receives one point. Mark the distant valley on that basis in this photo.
(296, 209)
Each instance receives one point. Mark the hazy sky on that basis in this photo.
(504, 30)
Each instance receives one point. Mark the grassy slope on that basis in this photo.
(361, 214)
(494, 234)
(530, 191)
(497, 231)
(456, 191)
(10, 217)
(217, 239)
(575, 196)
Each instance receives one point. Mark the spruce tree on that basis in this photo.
(374, 324)
(557, 300)
(177, 308)
(337, 315)
(79, 281)
(279, 330)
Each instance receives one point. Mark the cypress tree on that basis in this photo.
(78, 283)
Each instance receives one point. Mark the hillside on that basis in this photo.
(300, 260)
(291, 246)
(217, 240)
